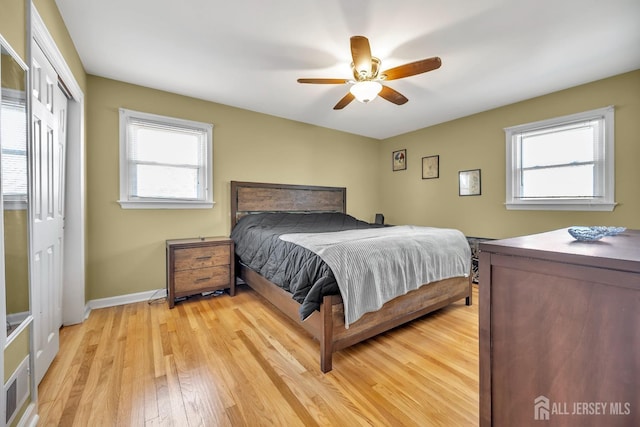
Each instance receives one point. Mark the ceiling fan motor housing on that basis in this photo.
(364, 75)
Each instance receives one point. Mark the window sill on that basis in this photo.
(128, 204)
(565, 206)
(15, 205)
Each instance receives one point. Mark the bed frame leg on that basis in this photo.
(326, 338)
(469, 300)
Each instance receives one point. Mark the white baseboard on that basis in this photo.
(124, 299)
(17, 318)
(30, 417)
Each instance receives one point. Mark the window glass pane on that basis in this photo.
(165, 162)
(558, 147)
(562, 163)
(568, 181)
(168, 146)
(165, 182)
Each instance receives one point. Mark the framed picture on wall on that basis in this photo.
(399, 160)
(469, 183)
(430, 167)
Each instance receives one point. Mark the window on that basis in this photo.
(14, 149)
(164, 162)
(564, 163)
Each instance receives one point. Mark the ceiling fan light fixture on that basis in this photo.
(367, 75)
(365, 91)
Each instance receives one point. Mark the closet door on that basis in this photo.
(49, 107)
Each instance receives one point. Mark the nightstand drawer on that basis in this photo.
(210, 256)
(201, 278)
(199, 265)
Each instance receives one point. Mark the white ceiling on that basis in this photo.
(249, 53)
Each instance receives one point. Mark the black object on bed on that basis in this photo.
(295, 269)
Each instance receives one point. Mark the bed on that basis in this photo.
(327, 322)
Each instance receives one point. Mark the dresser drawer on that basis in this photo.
(199, 257)
(191, 281)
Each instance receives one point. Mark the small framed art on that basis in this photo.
(399, 160)
(430, 167)
(469, 183)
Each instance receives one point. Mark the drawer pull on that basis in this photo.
(202, 279)
(202, 258)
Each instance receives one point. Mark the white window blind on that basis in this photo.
(166, 162)
(14, 151)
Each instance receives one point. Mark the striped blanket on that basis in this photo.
(373, 266)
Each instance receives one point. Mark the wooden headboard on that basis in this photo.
(256, 197)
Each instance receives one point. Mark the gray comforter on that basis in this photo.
(308, 277)
(295, 269)
(373, 267)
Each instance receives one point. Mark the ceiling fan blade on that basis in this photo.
(413, 68)
(392, 95)
(344, 101)
(361, 54)
(324, 81)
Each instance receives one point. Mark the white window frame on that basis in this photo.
(128, 202)
(604, 177)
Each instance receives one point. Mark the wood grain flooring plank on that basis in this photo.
(277, 380)
(223, 361)
(54, 390)
(77, 392)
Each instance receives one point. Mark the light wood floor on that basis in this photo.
(237, 361)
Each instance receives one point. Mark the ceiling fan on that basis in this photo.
(367, 81)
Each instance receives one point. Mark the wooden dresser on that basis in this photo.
(560, 331)
(199, 265)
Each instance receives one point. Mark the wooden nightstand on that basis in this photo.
(199, 265)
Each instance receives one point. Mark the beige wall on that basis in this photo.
(126, 247)
(16, 261)
(478, 142)
(15, 354)
(13, 24)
